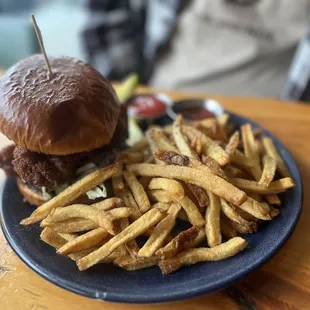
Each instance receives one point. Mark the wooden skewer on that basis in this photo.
(40, 39)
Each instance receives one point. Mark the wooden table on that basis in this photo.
(283, 283)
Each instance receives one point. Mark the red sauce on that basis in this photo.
(146, 106)
(197, 113)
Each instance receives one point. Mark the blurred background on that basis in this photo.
(234, 47)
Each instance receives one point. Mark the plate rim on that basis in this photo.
(196, 291)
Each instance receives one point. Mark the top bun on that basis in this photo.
(72, 111)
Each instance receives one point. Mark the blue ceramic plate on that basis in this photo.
(106, 282)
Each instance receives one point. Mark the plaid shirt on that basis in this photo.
(121, 38)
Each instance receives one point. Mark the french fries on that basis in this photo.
(226, 229)
(275, 187)
(269, 171)
(71, 193)
(70, 225)
(173, 187)
(180, 140)
(84, 241)
(193, 256)
(200, 195)
(184, 240)
(208, 182)
(192, 212)
(212, 227)
(101, 218)
(137, 228)
(126, 196)
(232, 144)
(160, 233)
(271, 151)
(137, 191)
(159, 195)
(251, 151)
(221, 183)
(209, 147)
(130, 264)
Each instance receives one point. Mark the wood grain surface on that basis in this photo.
(282, 283)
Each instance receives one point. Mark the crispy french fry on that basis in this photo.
(211, 128)
(212, 227)
(71, 225)
(214, 167)
(128, 263)
(232, 144)
(247, 216)
(274, 212)
(157, 139)
(101, 218)
(231, 213)
(200, 195)
(122, 191)
(192, 212)
(243, 229)
(249, 144)
(226, 229)
(184, 240)
(275, 187)
(108, 204)
(120, 213)
(271, 151)
(118, 184)
(273, 200)
(193, 256)
(137, 191)
(256, 209)
(56, 241)
(137, 228)
(160, 232)
(119, 252)
(207, 181)
(158, 195)
(71, 193)
(131, 246)
(251, 151)
(209, 147)
(241, 161)
(172, 158)
(171, 186)
(196, 144)
(180, 140)
(269, 170)
(85, 241)
(234, 172)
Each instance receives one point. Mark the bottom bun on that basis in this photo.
(35, 198)
(30, 195)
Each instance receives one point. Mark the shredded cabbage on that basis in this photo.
(45, 194)
(97, 192)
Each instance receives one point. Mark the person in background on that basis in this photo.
(235, 47)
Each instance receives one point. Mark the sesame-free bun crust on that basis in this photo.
(72, 111)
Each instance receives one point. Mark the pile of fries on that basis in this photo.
(222, 183)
